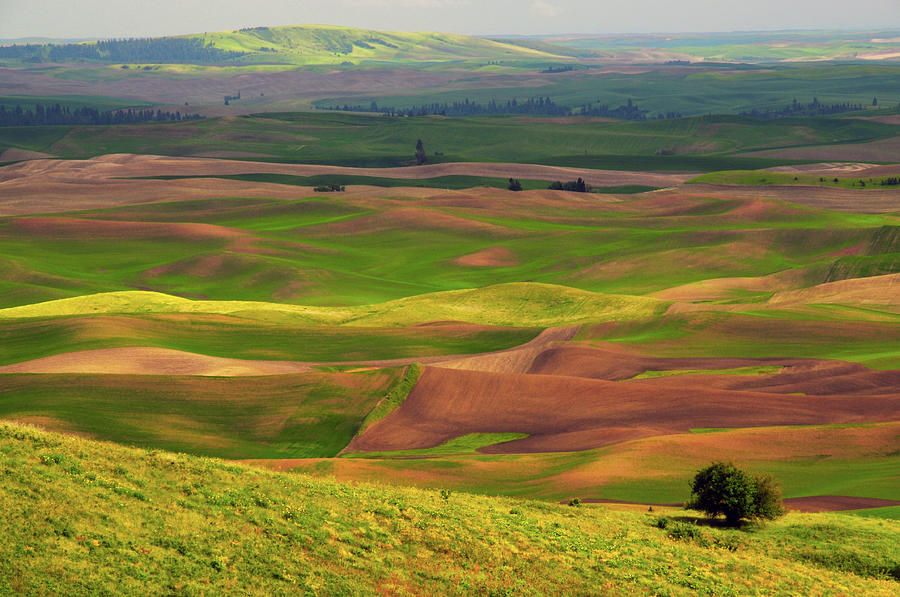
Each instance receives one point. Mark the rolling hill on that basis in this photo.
(87, 518)
(297, 45)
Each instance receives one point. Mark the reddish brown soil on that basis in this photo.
(490, 257)
(61, 227)
(875, 290)
(14, 155)
(613, 363)
(873, 200)
(570, 413)
(518, 359)
(831, 503)
(152, 361)
(44, 186)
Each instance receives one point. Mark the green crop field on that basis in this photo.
(706, 143)
(752, 178)
(308, 415)
(343, 257)
(690, 91)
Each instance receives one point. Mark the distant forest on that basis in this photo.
(535, 106)
(163, 50)
(813, 108)
(61, 115)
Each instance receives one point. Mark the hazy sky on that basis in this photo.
(131, 18)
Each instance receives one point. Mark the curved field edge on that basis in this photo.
(846, 460)
(523, 304)
(470, 443)
(300, 415)
(87, 341)
(394, 398)
(86, 517)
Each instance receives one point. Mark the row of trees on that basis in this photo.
(163, 50)
(64, 115)
(813, 108)
(540, 105)
(535, 105)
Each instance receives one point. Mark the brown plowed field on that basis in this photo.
(490, 257)
(873, 200)
(571, 413)
(833, 503)
(152, 361)
(162, 361)
(514, 360)
(613, 363)
(43, 186)
(875, 290)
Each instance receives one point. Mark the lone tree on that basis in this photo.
(514, 184)
(722, 488)
(420, 153)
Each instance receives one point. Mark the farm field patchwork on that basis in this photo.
(340, 351)
(754, 318)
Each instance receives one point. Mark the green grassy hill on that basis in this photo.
(88, 518)
(326, 44)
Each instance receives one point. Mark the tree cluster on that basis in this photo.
(557, 69)
(514, 184)
(160, 50)
(578, 186)
(64, 115)
(627, 111)
(795, 108)
(329, 188)
(722, 488)
(890, 181)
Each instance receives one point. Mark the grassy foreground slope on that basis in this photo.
(82, 517)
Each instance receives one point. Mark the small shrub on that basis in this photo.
(445, 493)
(684, 531)
(51, 459)
(575, 502)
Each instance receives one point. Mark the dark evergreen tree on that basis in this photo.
(420, 153)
